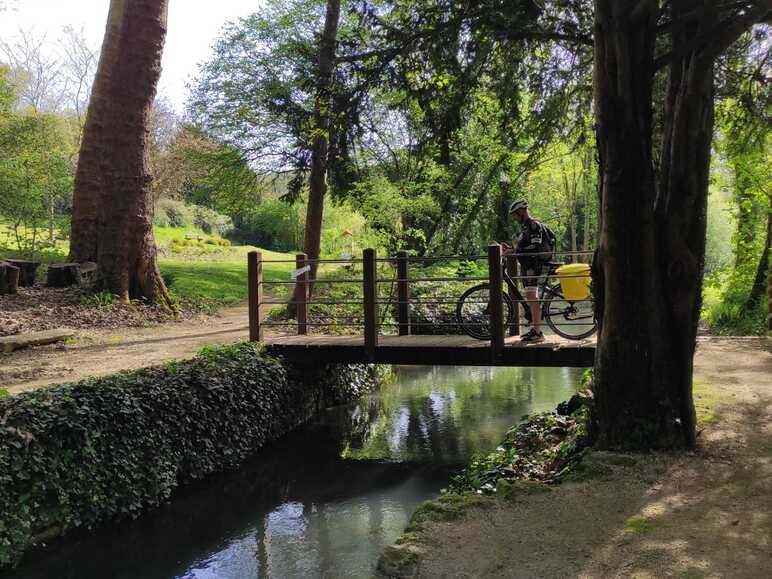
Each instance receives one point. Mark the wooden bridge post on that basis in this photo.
(301, 260)
(370, 290)
(255, 293)
(513, 268)
(496, 300)
(403, 294)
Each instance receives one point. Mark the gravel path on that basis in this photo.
(103, 351)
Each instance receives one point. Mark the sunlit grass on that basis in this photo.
(221, 280)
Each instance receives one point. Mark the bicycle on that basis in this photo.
(571, 319)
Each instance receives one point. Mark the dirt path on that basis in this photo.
(704, 514)
(100, 352)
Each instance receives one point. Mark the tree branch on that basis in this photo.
(721, 36)
(545, 35)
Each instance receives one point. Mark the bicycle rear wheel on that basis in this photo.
(574, 320)
(473, 313)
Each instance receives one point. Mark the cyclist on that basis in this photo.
(535, 249)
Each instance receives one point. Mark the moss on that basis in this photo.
(638, 524)
(511, 490)
(448, 507)
(706, 398)
(407, 538)
(589, 468)
(399, 562)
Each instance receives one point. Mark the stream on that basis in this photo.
(325, 500)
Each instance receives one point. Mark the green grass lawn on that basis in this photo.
(216, 277)
(221, 279)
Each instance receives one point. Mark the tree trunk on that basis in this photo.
(88, 175)
(113, 163)
(638, 376)
(651, 253)
(318, 179)
(760, 281)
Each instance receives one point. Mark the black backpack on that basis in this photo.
(549, 239)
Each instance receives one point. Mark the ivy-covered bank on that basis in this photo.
(77, 455)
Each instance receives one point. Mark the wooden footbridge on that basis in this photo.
(394, 315)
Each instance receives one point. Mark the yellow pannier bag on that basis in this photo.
(574, 281)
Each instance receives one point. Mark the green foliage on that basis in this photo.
(742, 173)
(173, 213)
(99, 300)
(720, 230)
(727, 311)
(273, 224)
(35, 173)
(255, 93)
(177, 214)
(545, 447)
(77, 455)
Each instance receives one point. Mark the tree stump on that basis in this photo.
(63, 274)
(27, 271)
(9, 278)
(88, 269)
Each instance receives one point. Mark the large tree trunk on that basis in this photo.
(322, 107)
(117, 133)
(652, 248)
(88, 174)
(639, 378)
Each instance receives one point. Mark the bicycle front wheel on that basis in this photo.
(574, 320)
(473, 312)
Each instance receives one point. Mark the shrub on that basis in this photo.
(76, 455)
(172, 213)
(210, 221)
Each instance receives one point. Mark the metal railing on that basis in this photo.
(370, 300)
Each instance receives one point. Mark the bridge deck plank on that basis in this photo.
(426, 350)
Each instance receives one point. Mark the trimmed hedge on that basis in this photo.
(77, 455)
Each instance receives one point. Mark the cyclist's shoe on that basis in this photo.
(533, 337)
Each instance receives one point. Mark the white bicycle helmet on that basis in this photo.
(519, 204)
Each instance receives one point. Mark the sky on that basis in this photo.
(193, 28)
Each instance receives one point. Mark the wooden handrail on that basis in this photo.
(255, 293)
(496, 301)
(370, 292)
(301, 260)
(403, 294)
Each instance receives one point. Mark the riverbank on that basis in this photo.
(78, 455)
(699, 514)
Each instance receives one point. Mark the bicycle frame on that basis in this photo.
(517, 295)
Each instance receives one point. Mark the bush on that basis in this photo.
(172, 213)
(79, 454)
(210, 221)
(732, 314)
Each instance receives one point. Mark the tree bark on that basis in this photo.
(638, 379)
(650, 259)
(88, 175)
(113, 165)
(322, 108)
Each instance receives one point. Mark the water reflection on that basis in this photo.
(324, 501)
